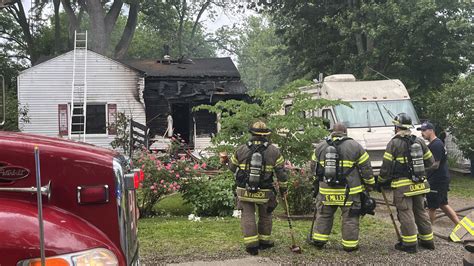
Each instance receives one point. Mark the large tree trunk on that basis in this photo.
(57, 27)
(99, 38)
(73, 22)
(127, 36)
(18, 12)
(180, 28)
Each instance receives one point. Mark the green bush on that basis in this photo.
(300, 193)
(210, 196)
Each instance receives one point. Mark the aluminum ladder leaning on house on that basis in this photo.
(78, 106)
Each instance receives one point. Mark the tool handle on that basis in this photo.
(391, 216)
(289, 219)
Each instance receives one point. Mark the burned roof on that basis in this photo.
(187, 68)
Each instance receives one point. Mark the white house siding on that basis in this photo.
(43, 87)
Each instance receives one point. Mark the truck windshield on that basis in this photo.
(378, 113)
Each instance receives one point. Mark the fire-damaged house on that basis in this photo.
(174, 87)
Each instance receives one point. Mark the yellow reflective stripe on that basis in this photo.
(264, 237)
(283, 184)
(337, 203)
(468, 228)
(243, 166)
(350, 243)
(254, 200)
(401, 183)
(333, 191)
(426, 237)
(454, 237)
(370, 181)
(388, 156)
(346, 163)
(409, 239)
(280, 160)
(363, 158)
(341, 191)
(320, 237)
(468, 221)
(355, 190)
(419, 192)
(382, 179)
(427, 155)
(313, 157)
(250, 239)
(402, 159)
(234, 160)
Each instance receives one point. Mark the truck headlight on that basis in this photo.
(92, 257)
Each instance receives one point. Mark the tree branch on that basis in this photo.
(127, 35)
(112, 15)
(201, 11)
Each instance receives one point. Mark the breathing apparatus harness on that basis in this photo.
(332, 173)
(255, 165)
(415, 164)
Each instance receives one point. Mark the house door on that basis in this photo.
(181, 122)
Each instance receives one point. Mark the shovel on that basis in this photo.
(294, 248)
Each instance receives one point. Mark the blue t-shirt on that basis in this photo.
(440, 175)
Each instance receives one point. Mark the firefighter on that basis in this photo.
(403, 170)
(464, 232)
(254, 164)
(343, 169)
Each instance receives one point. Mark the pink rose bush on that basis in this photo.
(162, 176)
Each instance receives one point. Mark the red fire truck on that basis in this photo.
(65, 203)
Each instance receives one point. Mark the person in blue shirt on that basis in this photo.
(438, 175)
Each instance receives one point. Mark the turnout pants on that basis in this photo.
(255, 233)
(324, 221)
(414, 220)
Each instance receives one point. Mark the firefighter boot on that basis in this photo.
(407, 249)
(350, 249)
(266, 244)
(427, 244)
(252, 250)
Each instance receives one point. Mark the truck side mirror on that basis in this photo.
(2, 101)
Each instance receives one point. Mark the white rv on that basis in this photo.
(374, 103)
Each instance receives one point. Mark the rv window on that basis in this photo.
(362, 114)
(96, 122)
(390, 108)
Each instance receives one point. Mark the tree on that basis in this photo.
(292, 132)
(259, 52)
(453, 109)
(424, 43)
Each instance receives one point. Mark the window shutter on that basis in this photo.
(62, 119)
(112, 119)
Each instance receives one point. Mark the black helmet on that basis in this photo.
(402, 120)
(368, 204)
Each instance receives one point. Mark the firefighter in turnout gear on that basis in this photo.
(464, 232)
(403, 169)
(254, 165)
(343, 169)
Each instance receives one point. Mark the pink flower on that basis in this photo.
(168, 166)
(162, 181)
(155, 191)
(169, 189)
(178, 187)
(143, 166)
(196, 166)
(203, 165)
(186, 169)
(177, 175)
(182, 158)
(152, 187)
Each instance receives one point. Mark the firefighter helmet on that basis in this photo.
(259, 128)
(402, 120)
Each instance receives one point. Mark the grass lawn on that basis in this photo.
(174, 239)
(462, 186)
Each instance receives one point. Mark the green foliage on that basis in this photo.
(453, 109)
(122, 138)
(300, 193)
(211, 196)
(172, 205)
(424, 43)
(292, 132)
(258, 50)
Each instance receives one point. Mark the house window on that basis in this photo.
(96, 120)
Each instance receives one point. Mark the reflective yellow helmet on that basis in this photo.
(259, 128)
